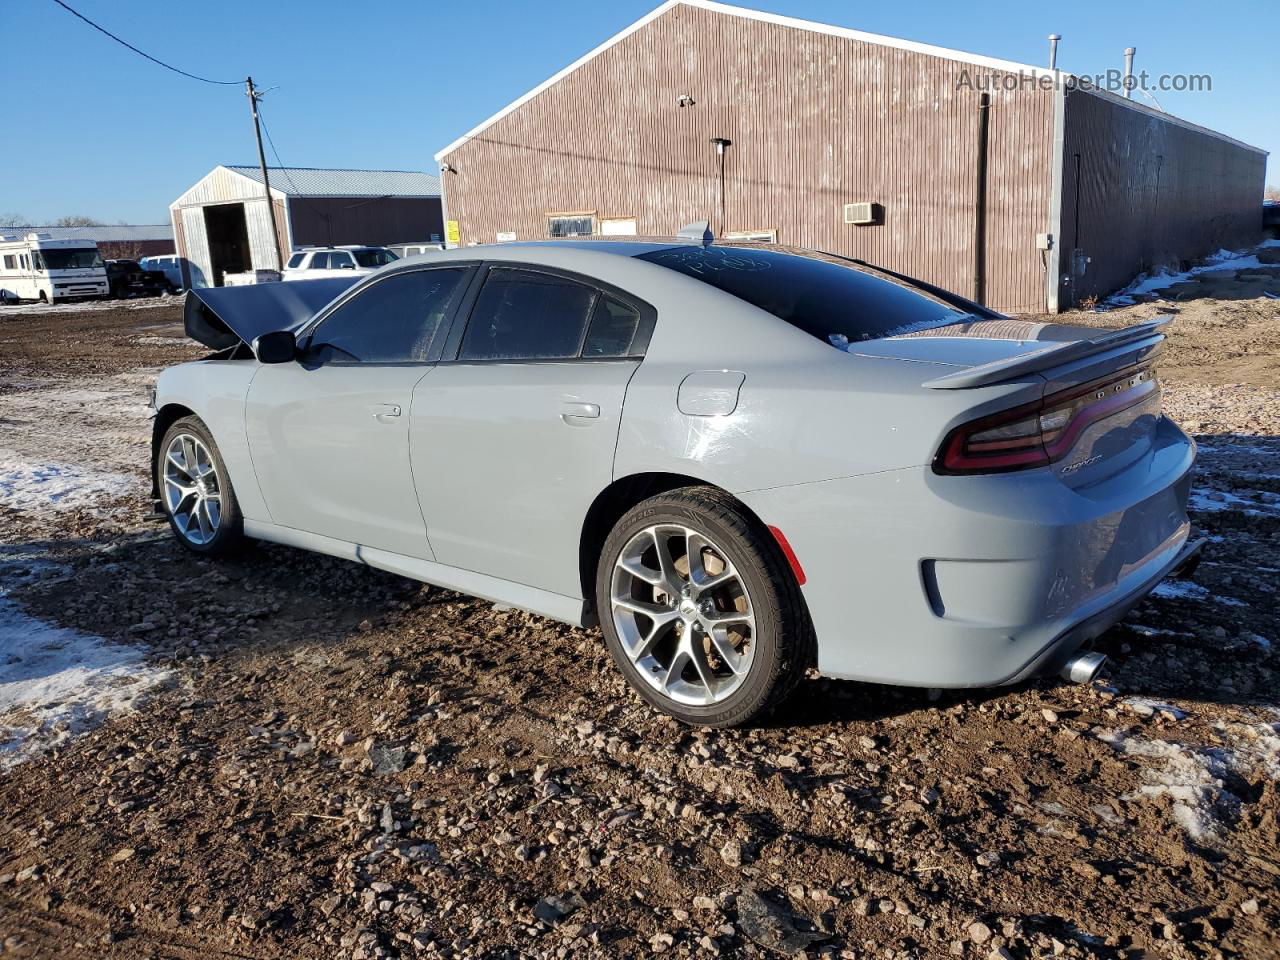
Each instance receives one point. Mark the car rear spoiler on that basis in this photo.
(221, 317)
(1051, 356)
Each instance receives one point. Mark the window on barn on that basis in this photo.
(758, 236)
(571, 225)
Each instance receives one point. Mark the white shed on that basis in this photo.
(222, 224)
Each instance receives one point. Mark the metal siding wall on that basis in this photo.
(221, 186)
(379, 222)
(1151, 193)
(197, 244)
(816, 122)
(257, 220)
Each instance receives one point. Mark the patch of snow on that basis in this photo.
(1192, 779)
(162, 341)
(1145, 284)
(18, 310)
(1217, 501)
(1144, 631)
(1259, 641)
(28, 486)
(56, 683)
(1186, 590)
(1149, 707)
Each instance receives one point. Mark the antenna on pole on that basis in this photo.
(254, 97)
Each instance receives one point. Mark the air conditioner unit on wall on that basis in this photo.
(863, 213)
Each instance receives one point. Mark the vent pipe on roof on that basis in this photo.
(1053, 50)
(1128, 71)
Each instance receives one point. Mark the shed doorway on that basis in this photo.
(228, 236)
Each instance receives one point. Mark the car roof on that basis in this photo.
(345, 246)
(637, 246)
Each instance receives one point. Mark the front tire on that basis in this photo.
(700, 610)
(195, 490)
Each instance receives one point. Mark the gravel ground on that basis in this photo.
(328, 761)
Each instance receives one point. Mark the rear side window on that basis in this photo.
(319, 261)
(525, 315)
(612, 330)
(296, 259)
(821, 294)
(393, 321)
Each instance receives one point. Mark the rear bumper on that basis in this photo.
(923, 580)
(1082, 634)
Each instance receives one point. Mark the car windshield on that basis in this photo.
(829, 297)
(69, 259)
(374, 258)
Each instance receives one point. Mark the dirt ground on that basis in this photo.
(329, 761)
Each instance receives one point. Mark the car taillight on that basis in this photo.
(1037, 434)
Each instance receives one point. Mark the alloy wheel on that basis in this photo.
(683, 614)
(192, 492)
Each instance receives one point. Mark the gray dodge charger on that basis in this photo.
(740, 460)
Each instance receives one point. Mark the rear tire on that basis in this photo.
(713, 631)
(195, 490)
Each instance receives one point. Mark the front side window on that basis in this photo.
(571, 226)
(339, 261)
(823, 295)
(393, 321)
(375, 258)
(68, 259)
(525, 315)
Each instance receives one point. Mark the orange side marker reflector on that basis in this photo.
(789, 554)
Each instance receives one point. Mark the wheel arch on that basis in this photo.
(619, 497)
(165, 417)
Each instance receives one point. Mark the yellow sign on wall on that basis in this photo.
(451, 232)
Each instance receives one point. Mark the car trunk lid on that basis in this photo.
(1099, 409)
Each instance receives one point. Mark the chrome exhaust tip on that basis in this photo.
(1083, 667)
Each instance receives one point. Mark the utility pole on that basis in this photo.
(254, 96)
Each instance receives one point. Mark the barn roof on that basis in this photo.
(322, 182)
(105, 233)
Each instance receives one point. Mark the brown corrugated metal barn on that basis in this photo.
(821, 122)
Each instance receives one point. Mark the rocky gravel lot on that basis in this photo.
(328, 761)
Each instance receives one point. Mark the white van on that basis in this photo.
(170, 265)
(37, 267)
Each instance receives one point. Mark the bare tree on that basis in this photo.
(76, 220)
(120, 249)
(12, 220)
(1271, 193)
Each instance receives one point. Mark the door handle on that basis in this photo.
(385, 412)
(574, 412)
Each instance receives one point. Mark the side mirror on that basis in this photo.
(346, 266)
(280, 346)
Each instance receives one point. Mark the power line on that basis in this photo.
(100, 29)
(327, 218)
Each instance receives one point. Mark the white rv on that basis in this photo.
(37, 267)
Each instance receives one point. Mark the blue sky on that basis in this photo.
(91, 128)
